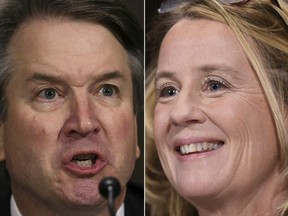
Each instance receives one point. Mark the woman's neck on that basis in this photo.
(263, 200)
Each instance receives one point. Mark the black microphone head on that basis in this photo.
(107, 184)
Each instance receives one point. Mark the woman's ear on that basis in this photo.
(2, 154)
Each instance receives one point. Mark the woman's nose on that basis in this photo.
(187, 110)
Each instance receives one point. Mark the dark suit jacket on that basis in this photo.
(5, 204)
(134, 202)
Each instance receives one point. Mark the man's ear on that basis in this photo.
(2, 154)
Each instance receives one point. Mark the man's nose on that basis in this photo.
(82, 119)
(187, 109)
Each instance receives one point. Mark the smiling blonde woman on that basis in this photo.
(216, 108)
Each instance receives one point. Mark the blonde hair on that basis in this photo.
(259, 25)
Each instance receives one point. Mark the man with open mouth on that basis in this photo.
(70, 91)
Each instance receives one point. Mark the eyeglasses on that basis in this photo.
(169, 5)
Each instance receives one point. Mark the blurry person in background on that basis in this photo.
(70, 90)
(216, 109)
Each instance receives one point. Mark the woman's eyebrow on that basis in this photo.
(218, 67)
(207, 68)
(164, 74)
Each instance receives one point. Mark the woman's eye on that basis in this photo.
(166, 91)
(48, 94)
(108, 90)
(169, 92)
(214, 84)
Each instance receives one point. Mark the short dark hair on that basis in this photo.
(112, 14)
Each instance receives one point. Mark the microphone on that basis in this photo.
(109, 188)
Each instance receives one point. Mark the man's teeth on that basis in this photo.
(199, 147)
(83, 163)
(85, 160)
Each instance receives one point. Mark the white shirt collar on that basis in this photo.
(121, 210)
(15, 211)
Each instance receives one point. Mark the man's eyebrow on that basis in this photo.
(110, 75)
(57, 79)
(45, 77)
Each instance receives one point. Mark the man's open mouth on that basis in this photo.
(85, 160)
(85, 164)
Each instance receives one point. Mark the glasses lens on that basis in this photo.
(169, 5)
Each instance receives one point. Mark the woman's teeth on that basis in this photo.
(199, 147)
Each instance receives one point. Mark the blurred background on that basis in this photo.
(150, 11)
(137, 7)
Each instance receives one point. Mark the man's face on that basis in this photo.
(70, 114)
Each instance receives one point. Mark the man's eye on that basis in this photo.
(48, 94)
(108, 90)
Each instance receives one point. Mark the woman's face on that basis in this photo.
(213, 128)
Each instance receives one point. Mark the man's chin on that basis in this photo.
(92, 202)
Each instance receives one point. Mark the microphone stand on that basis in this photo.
(109, 188)
(111, 200)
